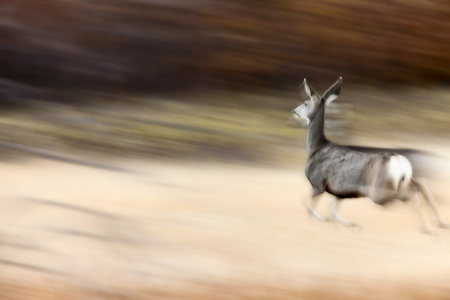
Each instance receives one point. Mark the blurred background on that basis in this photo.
(104, 98)
(196, 79)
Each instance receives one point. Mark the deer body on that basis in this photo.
(351, 174)
(347, 173)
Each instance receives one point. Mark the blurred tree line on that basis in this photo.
(176, 45)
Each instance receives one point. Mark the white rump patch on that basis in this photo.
(400, 169)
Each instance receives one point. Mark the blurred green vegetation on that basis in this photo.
(223, 127)
(160, 128)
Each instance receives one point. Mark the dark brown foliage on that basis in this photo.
(170, 45)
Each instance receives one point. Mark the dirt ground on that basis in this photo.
(185, 230)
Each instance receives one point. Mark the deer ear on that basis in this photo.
(333, 92)
(307, 91)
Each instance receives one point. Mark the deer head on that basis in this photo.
(309, 108)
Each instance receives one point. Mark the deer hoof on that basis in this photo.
(352, 224)
(444, 225)
(428, 231)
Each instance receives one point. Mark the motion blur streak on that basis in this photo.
(172, 44)
(147, 148)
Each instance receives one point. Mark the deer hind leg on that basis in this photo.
(422, 187)
(414, 193)
(336, 217)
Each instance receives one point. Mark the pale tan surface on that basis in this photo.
(215, 231)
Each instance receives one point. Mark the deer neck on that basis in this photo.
(316, 136)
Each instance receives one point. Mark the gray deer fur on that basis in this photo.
(349, 173)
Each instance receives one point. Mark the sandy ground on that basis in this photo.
(172, 230)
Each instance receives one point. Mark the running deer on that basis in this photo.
(349, 173)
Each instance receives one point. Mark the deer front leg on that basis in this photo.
(423, 189)
(338, 218)
(314, 200)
